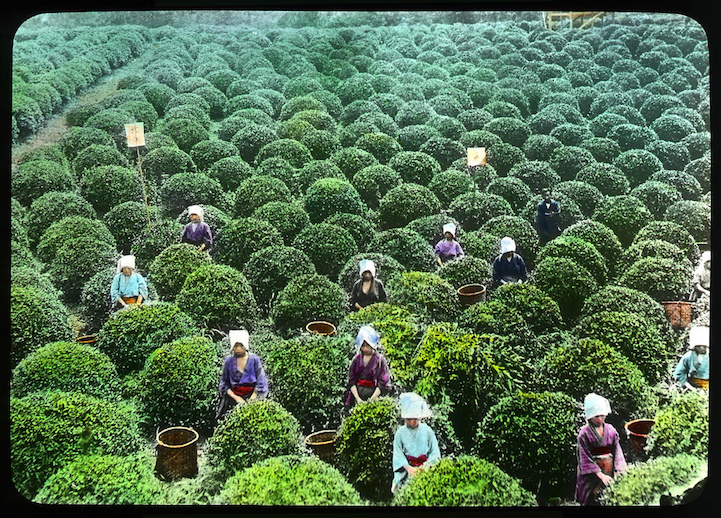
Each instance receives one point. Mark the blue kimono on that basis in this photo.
(197, 234)
(128, 286)
(509, 270)
(691, 365)
(414, 443)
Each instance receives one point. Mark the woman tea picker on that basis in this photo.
(368, 376)
(128, 286)
(692, 369)
(598, 451)
(448, 248)
(367, 290)
(242, 378)
(197, 232)
(414, 445)
(702, 278)
(509, 266)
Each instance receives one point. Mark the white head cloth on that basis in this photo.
(507, 245)
(595, 405)
(367, 334)
(239, 335)
(367, 264)
(414, 406)
(126, 260)
(449, 227)
(698, 335)
(706, 256)
(196, 209)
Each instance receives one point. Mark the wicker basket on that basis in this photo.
(320, 328)
(87, 339)
(638, 431)
(177, 453)
(471, 293)
(323, 444)
(679, 313)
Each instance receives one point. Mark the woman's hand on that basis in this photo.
(605, 478)
(411, 470)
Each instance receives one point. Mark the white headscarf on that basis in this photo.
(449, 227)
(595, 405)
(126, 260)
(367, 334)
(507, 245)
(196, 209)
(367, 264)
(414, 406)
(239, 335)
(698, 335)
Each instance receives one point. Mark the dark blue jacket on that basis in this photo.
(515, 268)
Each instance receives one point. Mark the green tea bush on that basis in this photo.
(700, 169)
(129, 336)
(382, 146)
(34, 178)
(107, 186)
(352, 159)
(156, 237)
(103, 479)
(644, 483)
(539, 311)
(415, 166)
(539, 146)
(288, 218)
(307, 298)
(368, 464)
(328, 246)
(184, 189)
(523, 233)
(504, 156)
(672, 128)
(603, 149)
(682, 426)
(230, 172)
(510, 129)
(52, 428)
(256, 191)
(205, 153)
(637, 165)
(241, 237)
(689, 187)
(412, 137)
(693, 215)
(536, 175)
(251, 138)
(583, 194)
(607, 178)
(293, 151)
(449, 184)
(445, 150)
(511, 188)
(631, 137)
(466, 270)
(661, 278)
(157, 94)
(290, 480)
(673, 233)
(324, 363)
(587, 365)
(464, 481)
(580, 251)
(566, 162)
(654, 248)
(76, 139)
(405, 203)
(328, 196)
(250, 434)
(474, 208)
(656, 196)
(625, 215)
(374, 181)
(126, 221)
(631, 335)
(218, 296)
(406, 246)
(179, 384)
(565, 281)
(167, 160)
(424, 294)
(45, 210)
(517, 428)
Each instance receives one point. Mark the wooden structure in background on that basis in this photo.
(580, 19)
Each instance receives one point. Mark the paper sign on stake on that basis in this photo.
(476, 156)
(135, 134)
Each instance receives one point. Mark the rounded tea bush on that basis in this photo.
(424, 294)
(566, 282)
(600, 236)
(406, 246)
(250, 434)
(523, 233)
(466, 270)
(290, 480)
(693, 215)
(256, 191)
(415, 166)
(184, 189)
(130, 335)
(585, 195)
(52, 428)
(656, 196)
(688, 412)
(474, 208)
(179, 384)
(328, 246)
(673, 233)
(241, 237)
(464, 481)
(328, 196)
(580, 251)
(586, 365)
(45, 210)
(607, 178)
(625, 215)
(324, 363)
(103, 479)
(637, 165)
(405, 203)
(368, 465)
(218, 296)
(661, 278)
(308, 298)
(631, 335)
(539, 311)
(66, 366)
(34, 178)
(518, 427)
(374, 181)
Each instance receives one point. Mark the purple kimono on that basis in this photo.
(590, 445)
(198, 235)
(374, 374)
(448, 250)
(231, 377)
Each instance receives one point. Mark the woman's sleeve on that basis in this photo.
(522, 265)
(585, 462)
(208, 235)
(142, 286)
(382, 297)
(619, 461)
(435, 453)
(680, 374)
(224, 378)
(182, 233)
(352, 372)
(459, 250)
(384, 374)
(260, 377)
(115, 288)
(354, 295)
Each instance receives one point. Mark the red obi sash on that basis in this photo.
(245, 390)
(416, 461)
(366, 383)
(601, 450)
